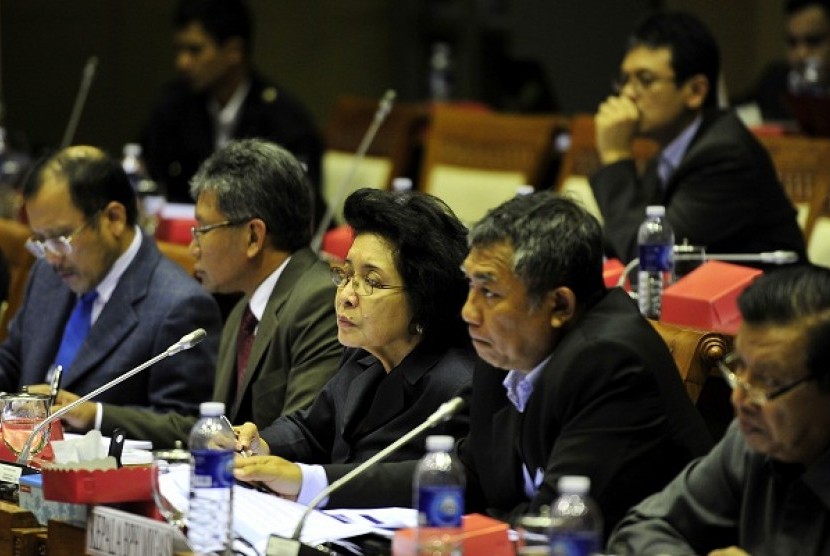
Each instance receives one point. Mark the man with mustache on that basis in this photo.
(765, 488)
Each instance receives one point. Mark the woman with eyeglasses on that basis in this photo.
(398, 302)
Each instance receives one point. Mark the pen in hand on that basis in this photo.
(54, 384)
(241, 452)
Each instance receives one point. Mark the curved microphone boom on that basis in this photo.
(80, 100)
(187, 341)
(444, 412)
(384, 107)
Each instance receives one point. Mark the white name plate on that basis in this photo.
(112, 532)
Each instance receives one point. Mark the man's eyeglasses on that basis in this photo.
(363, 286)
(809, 40)
(58, 246)
(640, 81)
(196, 232)
(732, 369)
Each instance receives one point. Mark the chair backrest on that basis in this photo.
(475, 160)
(695, 353)
(13, 235)
(581, 160)
(390, 154)
(179, 254)
(803, 166)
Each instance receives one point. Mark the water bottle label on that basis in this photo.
(212, 468)
(574, 543)
(657, 257)
(440, 506)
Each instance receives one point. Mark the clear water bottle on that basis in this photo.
(211, 482)
(440, 72)
(133, 164)
(150, 198)
(656, 250)
(439, 498)
(577, 521)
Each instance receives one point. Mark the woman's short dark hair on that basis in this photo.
(429, 244)
(798, 294)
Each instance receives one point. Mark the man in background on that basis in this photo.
(807, 67)
(279, 345)
(219, 97)
(765, 488)
(102, 299)
(715, 179)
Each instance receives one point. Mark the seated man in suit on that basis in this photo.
(574, 380)
(715, 179)
(220, 97)
(765, 488)
(102, 299)
(279, 345)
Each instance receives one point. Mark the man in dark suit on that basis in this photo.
(102, 299)
(717, 182)
(220, 97)
(574, 381)
(254, 212)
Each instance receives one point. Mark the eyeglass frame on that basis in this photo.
(755, 394)
(341, 277)
(197, 231)
(638, 83)
(39, 248)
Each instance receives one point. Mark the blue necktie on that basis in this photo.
(77, 327)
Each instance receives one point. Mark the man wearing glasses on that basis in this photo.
(716, 181)
(102, 299)
(279, 345)
(765, 488)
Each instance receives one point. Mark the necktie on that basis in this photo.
(76, 329)
(244, 341)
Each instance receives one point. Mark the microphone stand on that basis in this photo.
(293, 546)
(80, 100)
(187, 342)
(384, 107)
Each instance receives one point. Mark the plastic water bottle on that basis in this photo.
(439, 498)
(211, 482)
(440, 72)
(656, 242)
(577, 521)
(150, 198)
(133, 164)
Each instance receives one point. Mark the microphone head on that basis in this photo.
(187, 341)
(447, 409)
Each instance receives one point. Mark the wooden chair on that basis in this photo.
(13, 235)
(695, 353)
(179, 254)
(390, 154)
(803, 166)
(581, 160)
(475, 160)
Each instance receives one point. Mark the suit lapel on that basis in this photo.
(118, 318)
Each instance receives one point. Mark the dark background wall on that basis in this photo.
(323, 48)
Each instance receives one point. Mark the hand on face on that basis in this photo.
(277, 474)
(616, 123)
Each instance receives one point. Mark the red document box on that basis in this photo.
(707, 297)
(482, 535)
(127, 484)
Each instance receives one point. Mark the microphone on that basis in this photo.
(384, 107)
(80, 99)
(779, 257)
(187, 341)
(278, 546)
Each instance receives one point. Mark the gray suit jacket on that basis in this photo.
(154, 304)
(294, 354)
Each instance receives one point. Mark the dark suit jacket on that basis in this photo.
(154, 304)
(180, 134)
(608, 404)
(294, 354)
(724, 195)
(362, 409)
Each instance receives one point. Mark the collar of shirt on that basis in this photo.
(106, 286)
(519, 385)
(670, 157)
(262, 293)
(225, 118)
